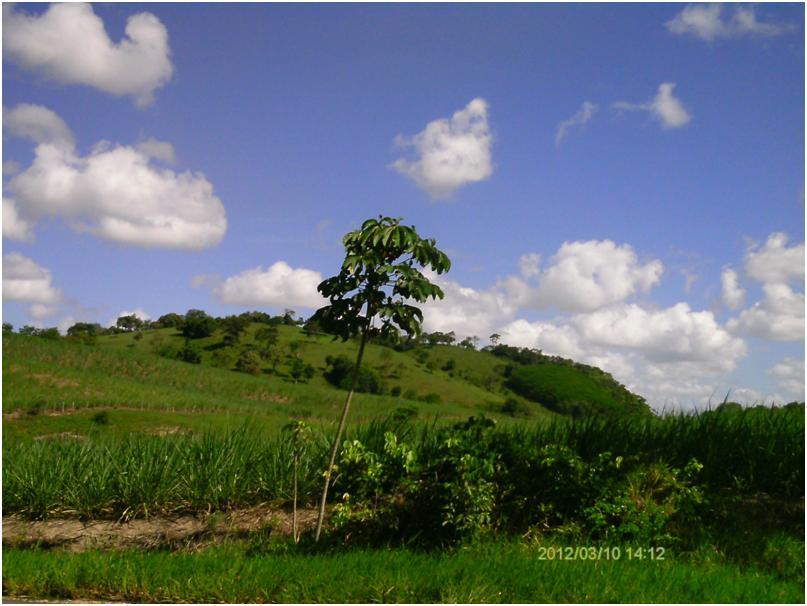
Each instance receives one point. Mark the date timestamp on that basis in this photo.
(654, 554)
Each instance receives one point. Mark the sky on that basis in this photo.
(620, 184)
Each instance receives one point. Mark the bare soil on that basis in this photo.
(75, 535)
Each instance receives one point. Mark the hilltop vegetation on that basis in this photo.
(256, 362)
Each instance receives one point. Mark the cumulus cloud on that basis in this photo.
(789, 375)
(40, 311)
(14, 226)
(38, 124)
(733, 294)
(115, 192)
(278, 286)
(583, 276)
(671, 356)
(451, 152)
(707, 23)
(775, 262)
(466, 311)
(69, 44)
(25, 280)
(779, 315)
(583, 115)
(529, 265)
(665, 107)
(674, 334)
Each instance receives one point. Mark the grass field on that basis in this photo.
(113, 431)
(486, 573)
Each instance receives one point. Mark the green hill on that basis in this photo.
(138, 375)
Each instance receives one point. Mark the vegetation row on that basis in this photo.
(600, 477)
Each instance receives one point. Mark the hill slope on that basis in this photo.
(138, 371)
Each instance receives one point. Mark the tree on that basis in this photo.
(80, 329)
(129, 323)
(7, 328)
(288, 317)
(378, 274)
(494, 338)
(300, 438)
(249, 362)
(170, 320)
(233, 327)
(197, 325)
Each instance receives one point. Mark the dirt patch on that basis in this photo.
(167, 431)
(263, 396)
(58, 382)
(61, 436)
(75, 535)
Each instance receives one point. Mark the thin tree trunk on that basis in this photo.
(335, 448)
(294, 506)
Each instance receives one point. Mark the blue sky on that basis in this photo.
(659, 233)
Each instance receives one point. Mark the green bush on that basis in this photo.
(191, 353)
(340, 374)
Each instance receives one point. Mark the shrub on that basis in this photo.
(340, 373)
(249, 361)
(191, 353)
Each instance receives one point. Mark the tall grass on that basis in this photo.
(488, 573)
(745, 452)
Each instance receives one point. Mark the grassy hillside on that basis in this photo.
(138, 374)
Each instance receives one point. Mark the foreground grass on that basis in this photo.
(493, 573)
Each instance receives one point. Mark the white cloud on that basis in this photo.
(672, 357)
(69, 44)
(583, 276)
(789, 374)
(116, 193)
(779, 316)
(25, 280)
(556, 339)
(14, 226)
(529, 265)
(706, 22)
(583, 115)
(665, 107)
(277, 286)
(733, 295)
(466, 311)
(38, 124)
(775, 262)
(451, 152)
(40, 311)
(674, 334)
(159, 150)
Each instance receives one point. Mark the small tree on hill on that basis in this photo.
(197, 325)
(129, 323)
(377, 276)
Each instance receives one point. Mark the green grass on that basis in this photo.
(492, 573)
(472, 383)
(60, 376)
(109, 473)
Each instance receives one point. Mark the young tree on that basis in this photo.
(378, 275)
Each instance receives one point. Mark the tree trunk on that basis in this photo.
(341, 427)
(294, 505)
